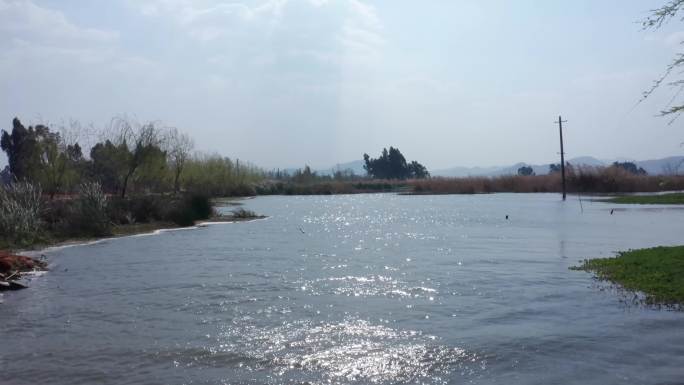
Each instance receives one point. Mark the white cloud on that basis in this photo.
(23, 19)
(352, 23)
(210, 20)
(38, 36)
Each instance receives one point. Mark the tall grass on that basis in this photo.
(590, 180)
(21, 207)
(579, 180)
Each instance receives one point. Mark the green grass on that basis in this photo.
(663, 199)
(657, 272)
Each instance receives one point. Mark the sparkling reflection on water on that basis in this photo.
(368, 289)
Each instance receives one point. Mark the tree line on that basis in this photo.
(127, 157)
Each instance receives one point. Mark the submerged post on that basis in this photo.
(562, 153)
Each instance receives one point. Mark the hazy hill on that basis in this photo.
(356, 166)
(667, 165)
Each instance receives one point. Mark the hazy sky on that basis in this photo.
(284, 82)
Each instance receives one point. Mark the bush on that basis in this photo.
(88, 215)
(139, 209)
(92, 210)
(244, 214)
(147, 208)
(21, 207)
(119, 211)
(190, 209)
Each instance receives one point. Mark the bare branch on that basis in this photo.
(663, 14)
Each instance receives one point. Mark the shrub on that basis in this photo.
(88, 215)
(119, 212)
(92, 206)
(21, 207)
(147, 208)
(244, 214)
(191, 208)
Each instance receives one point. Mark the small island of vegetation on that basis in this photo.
(660, 199)
(657, 272)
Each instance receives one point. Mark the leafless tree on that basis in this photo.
(672, 168)
(179, 145)
(656, 20)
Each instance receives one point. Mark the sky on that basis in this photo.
(283, 83)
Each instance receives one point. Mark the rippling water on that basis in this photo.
(368, 289)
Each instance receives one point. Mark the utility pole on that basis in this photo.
(562, 153)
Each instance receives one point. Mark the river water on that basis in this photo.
(367, 289)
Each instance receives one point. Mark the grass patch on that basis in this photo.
(657, 272)
(662, 199)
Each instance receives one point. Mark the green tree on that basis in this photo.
(392, 165)
(23, 148)
(133, 146)
(418, 171)
(526, 171)
(630, 167)
(109, 164)
(40, 156)
(55, 164)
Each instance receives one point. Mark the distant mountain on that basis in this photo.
(669, 165)
(673, 165)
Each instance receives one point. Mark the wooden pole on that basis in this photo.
(562, 153)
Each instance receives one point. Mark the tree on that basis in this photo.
(55, 164)
(630, 167)
(526, 171)
(418, 171)
(22, 147)
(392, 165)
(304, 175)
(179, 146)
(40, 156)
(554, 168)
(145, 144)
(657, 18)
(109, 164)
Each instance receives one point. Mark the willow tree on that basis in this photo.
(657, 19)
(138, 144)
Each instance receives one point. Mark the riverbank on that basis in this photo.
(31, 220)
(128, 230)
(657, 272)
(579, 180)
(13, 265)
